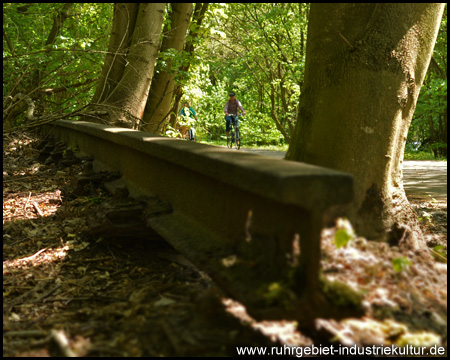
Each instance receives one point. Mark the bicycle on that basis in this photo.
(186, 127)
(191, 134)
(234, 136)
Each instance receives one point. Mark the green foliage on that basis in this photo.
(342, 237)
(440, 253)
(344, 233)
(254, 49)
(95, 200)
(171, 132)
(251, 49)
(401, 263)
(422, 155)
(75, 57)
(274, 291)
(340, 293)
(429, 124)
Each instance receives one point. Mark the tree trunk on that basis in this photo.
(197, 18)
(433, 137)
(125, 15)
(273, 114)
(163, 83)
(58, 22)
(365, 64)
(125, 104)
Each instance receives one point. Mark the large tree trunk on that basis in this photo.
(126, 102)
(125, 15)
(163, 83)
(365, 64)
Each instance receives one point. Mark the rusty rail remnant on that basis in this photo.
(251, 222)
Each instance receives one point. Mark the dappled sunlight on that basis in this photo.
(367, 331)
(428, 178)
(119, 130)
(42, 257)
(31, 205)
(389, 282)
(19, 148)
(161, 138)
(283, 330)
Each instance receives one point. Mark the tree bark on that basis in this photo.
(197, 18)
(365, 64)
(124, 21)
(125, 104)
(163, 83)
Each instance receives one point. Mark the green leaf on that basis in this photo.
(401, 263)
(342, 237)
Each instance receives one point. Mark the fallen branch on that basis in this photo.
(36, 207)
(439, 256)
(48, 293)
(33, 256)
(26, 204)
(24, 333)
(61, 340)
(24, 177)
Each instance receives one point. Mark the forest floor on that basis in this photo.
(68, 292)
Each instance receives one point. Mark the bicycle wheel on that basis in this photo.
(238, 139)
(229, 139)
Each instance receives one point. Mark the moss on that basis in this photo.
(419, 339)
(276, 294)
(339, 293)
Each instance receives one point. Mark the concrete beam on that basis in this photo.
(252, 222)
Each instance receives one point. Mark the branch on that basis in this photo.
(58, 22)
(8, 41)
(42, 120)
(439, 70)
(69, 50)
(64, 88)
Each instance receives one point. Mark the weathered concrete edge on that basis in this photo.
(286, 182)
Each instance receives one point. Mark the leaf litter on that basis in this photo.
(67, 293)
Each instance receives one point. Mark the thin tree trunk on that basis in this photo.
(365, 64)
(197, 18)
(58, 22)
(273, 113)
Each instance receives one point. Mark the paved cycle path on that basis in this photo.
(421, 179)
(425, 179)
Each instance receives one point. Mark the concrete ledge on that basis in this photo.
(248, 220)
(288, 182)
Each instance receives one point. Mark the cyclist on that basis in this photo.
(231, 107)
(188, 115)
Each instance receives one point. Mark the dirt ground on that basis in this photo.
(68, 291)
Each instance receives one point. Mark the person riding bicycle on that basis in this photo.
(188, 115)
(231, 107)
